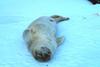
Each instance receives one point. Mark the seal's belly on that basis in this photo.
(45, 29)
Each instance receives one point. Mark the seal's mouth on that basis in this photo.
(43, 55)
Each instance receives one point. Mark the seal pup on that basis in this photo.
(41, 38)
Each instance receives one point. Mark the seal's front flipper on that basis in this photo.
(58, 18)
(60, 40)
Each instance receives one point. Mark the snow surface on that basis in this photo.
(82, 32)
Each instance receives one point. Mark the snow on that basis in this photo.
(82, 32)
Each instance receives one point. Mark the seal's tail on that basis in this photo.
(58, 18)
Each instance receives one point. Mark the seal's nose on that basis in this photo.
(43, 55)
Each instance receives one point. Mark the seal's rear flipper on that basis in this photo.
(58, 18)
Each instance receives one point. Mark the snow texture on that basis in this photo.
(82, 32)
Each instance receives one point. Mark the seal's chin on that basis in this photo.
(43, 55)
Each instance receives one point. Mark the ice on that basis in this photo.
(81, 47)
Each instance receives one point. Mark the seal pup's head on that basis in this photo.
(42, 54)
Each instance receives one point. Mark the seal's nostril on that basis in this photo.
(41, 54)
(46, 57)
